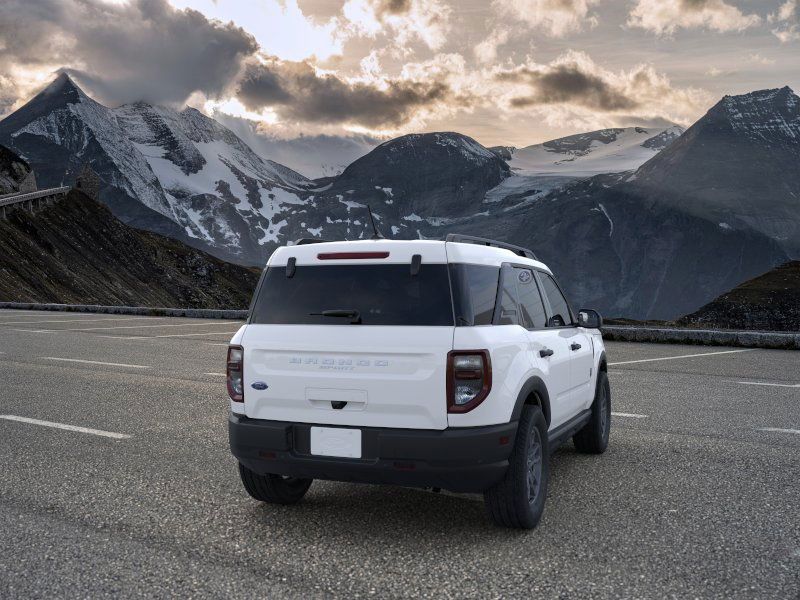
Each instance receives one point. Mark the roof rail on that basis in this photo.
(306, 241)
(471, 239)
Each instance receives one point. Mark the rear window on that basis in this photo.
(381, 294)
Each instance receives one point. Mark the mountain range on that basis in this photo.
(637, 222)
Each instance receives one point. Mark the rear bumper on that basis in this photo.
(460, 460)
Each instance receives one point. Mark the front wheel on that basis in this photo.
(275, 489)
(593, 438)
(518, 500)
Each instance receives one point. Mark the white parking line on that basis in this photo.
(217, 344)
(787, 385)
(191, 334)
(216, 374)
(136, 327)
(779, 430)
(74, 320)
(644, 360)
(94, 362)
(100, 432)
(628, 415)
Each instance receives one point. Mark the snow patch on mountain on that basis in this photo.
(593, 153)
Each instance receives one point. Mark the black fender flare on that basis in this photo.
(534, 385)
(602, 363)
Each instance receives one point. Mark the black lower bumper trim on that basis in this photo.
(469, 459)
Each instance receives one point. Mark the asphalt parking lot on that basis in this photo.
(698, 495)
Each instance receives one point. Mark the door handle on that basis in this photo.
(575, 346)
(545, 352)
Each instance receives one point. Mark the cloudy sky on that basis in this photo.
(503, 71)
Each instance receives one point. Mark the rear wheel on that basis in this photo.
(593, 438)
(518, 500)
(275, 489)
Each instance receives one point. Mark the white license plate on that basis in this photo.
(336, 441)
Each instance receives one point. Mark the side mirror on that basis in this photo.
(590, 319)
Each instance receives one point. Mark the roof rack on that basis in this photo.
(471, 239)
(306, 241)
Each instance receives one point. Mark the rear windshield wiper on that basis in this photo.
(353, 315)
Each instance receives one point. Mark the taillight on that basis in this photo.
(469, 379)
(235, 373)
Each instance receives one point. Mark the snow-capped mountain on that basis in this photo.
(717, 206)
(709, 208)
(542, 168)
(315, 156)
(738, 166)
(593, 153)
(177, 172)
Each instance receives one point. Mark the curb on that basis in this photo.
(706, 337)
(197, 313)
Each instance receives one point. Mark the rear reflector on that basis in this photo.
(351, 255)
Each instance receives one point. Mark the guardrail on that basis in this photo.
(706, 337)
(9, 199)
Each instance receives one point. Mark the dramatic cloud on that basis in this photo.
(555, 17)
(788, 21)
(664, 17)
(404, 20)
(486, 51)
(280, 27)
(297, 91)
(144, 49)
(574, 82)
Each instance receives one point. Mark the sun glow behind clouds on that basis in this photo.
(280, 28)
(233, 107)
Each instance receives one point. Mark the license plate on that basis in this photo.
(336, 441)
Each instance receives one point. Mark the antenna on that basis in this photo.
(376, 235)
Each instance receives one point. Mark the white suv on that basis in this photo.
(454, 365)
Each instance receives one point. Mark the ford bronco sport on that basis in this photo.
(455, 365)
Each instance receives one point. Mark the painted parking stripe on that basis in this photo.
(100, 432)
(780, 430)
(94, 362)
(74, 320)
(644, 360)
(137, 327)
(174, 335)
(628, 415)
(765, 383)
(216, 374)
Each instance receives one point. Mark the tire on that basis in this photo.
(518, 500)
(593, 438)
(274, 489)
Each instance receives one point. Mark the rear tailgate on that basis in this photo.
(386, 371)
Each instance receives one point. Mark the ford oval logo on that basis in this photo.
(259, 385)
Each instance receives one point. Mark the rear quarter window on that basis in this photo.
(474, 293)
(385, 294)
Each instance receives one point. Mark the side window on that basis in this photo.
(530, 300)
(561, 313)
(507, 300)
(474, 293)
